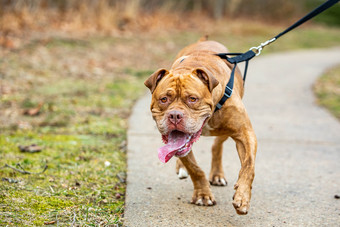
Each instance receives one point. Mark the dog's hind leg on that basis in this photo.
(181, 171)
(216, 176)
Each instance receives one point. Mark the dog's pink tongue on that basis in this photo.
(176, 141)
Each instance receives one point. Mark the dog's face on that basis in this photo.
(181, 104)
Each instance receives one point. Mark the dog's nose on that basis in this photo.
(175, 116)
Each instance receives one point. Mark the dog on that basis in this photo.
(183, 105)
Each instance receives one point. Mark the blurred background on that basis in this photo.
(71, 70)
(108, 15)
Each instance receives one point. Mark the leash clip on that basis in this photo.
(259, 48)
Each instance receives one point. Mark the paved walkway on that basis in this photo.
(297, 164)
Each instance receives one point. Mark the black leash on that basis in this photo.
(255, 51)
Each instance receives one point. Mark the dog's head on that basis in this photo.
(181, 104)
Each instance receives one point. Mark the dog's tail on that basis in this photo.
(203, 38)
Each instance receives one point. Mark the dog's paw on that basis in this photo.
(203, 198)
(218, 180)
(241, 199)
(182, 173)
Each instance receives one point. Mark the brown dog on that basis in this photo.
(183, 104)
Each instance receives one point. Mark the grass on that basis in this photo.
(81, 127)
(76, 186)
(327, 89)
(86, 86)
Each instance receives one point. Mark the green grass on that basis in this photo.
(81, 126)
(87, 87)
(75, 182)
(327, 89)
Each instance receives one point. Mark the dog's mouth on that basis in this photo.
(178, 144)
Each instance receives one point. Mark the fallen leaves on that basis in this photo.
(117, 195)
(33, 148)
(33, 111)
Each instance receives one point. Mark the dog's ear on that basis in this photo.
(153, 80)
(207, 78)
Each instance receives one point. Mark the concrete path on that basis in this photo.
(297, 164)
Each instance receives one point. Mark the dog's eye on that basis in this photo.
(192, 99)
(164, 100)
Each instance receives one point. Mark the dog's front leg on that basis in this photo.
(246, 145)
(202, 194)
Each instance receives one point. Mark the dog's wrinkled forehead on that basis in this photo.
(179, 82)
(186, 70)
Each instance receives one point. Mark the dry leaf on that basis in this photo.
(33, 148)
(34, 111)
